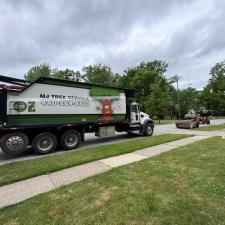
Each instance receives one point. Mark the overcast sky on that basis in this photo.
(188, 34)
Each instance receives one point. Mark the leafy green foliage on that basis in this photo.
(45, 70)
(144, 75)
(159, 100)
(156, 94)
(189, 100)
(213, 95)
(68, 74)
(42, 70)
(154, 89)
(99, 74)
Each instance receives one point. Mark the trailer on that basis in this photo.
(192, 119)
(51, 112)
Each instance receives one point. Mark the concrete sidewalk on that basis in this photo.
(17, 192)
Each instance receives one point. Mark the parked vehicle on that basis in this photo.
(51, 112)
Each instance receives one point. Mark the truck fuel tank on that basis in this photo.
(105, 131)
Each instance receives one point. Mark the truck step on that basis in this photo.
(134, 127)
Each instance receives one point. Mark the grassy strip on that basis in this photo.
(17, 171)
(211, 128)
(219, 117)
(182, 187)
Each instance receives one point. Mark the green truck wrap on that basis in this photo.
(56, 104)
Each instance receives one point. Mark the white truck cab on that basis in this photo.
(140, 122)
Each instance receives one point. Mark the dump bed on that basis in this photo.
(53, 101)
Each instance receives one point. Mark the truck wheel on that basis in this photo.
(44, 143)
(70, 140)
(148, 129)
(208, 122)
(14, 143)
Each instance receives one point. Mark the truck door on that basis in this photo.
(134, 113)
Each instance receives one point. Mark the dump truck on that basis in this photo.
(51, 112)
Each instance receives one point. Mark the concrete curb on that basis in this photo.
(20, 191)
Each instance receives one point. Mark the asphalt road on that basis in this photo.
(91, 140)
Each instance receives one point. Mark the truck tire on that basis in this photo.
(14, 143)
(208, 121)
(148, 131)
(44, 143)
(70, 140)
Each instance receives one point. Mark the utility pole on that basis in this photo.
(176, 79)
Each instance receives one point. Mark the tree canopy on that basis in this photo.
(213, 95)
(157, 95)
(99, 74)
(149, 79)
(42, 70)
(158, 102)
(189, 100)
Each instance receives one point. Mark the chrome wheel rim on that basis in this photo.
(14, 143)
(71, 140)
(45, 144)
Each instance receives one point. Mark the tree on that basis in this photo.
(116, 79)
(68, 74)
(189, 100)
(144, 75)
(149, 77)
(45, 70)
(213, 95)
(42, 70)
(99, 74)
(158, 102)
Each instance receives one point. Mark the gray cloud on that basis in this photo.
(189, 35)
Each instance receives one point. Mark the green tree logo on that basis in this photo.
(20, 106)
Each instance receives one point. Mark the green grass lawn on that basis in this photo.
(181, 187)
(17, 171)
(164, 121)
(219, 117)
(211, 127)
